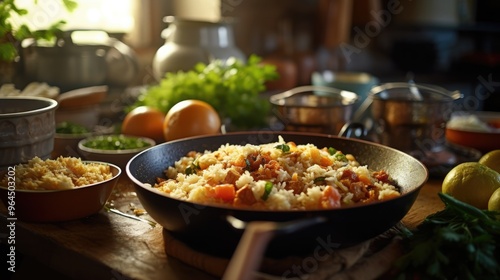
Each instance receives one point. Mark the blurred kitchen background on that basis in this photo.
(451, 43)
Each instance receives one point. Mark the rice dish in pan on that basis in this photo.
(275, 176)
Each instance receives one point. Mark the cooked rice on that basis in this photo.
(305, 177)
(58, 174)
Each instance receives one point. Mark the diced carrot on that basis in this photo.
(365, 180)
(325, 161)
(331, 198)
(315, 155)
(225, 192)
(209, 191)
(240, 161)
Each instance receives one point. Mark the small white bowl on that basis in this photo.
(119, 157)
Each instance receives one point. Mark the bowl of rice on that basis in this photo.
(56, 190)
(477, 130)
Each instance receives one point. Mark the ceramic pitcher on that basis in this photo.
(188, 42)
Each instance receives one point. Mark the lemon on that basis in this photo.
(494, 202)
(472, 183)
(492, 160)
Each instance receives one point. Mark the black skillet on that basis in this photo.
(208, 228)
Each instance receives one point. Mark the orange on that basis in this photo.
(190, 118)
(472, 183)
(144, 121)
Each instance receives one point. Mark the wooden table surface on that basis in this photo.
(111, 246)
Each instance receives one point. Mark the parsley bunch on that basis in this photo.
(459, 242)
(232, 87)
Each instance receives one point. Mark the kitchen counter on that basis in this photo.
(111, 246)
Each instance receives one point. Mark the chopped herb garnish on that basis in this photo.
(319, 179)
(267, 190)
(116, 142)
(192, 168)
(283, 147)
(71, 128)
(340, 157)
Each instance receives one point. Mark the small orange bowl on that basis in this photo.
(483, 141)
(58, 205)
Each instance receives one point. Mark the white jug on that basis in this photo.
(188, 42)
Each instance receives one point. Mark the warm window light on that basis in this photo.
(110, 15)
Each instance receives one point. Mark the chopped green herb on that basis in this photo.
(458, 242)
(267, 190)
(319, 179)
(192, 168)
(283, 147)
(340, 157)
(247, 164)
(116, 142)
(71, 128)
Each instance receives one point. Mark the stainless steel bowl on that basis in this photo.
(27, 129)
(303, 109)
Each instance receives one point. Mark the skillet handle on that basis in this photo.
(248, 254)
(353, 130)
(253, 243)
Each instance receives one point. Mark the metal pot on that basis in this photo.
(71, 64)
(410, 122)
(314, 108)
(27, 128)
